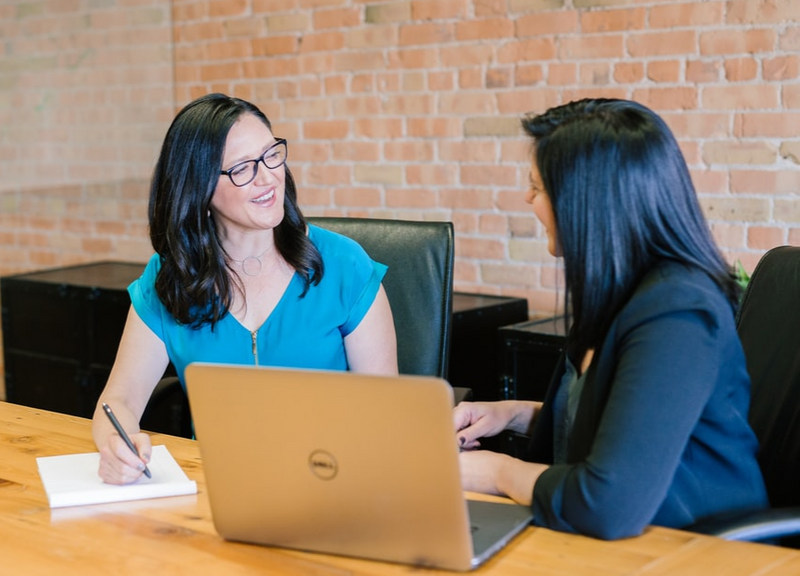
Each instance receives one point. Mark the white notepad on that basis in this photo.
(72, 480)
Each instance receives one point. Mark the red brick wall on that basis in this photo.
(405, 108)
(86, 90)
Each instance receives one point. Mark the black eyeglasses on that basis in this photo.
(245, 172)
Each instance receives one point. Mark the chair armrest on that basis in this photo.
(167, 410)
(752, 526)
(167, 386)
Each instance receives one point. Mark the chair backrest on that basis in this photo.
(769, 327)
(419, 283)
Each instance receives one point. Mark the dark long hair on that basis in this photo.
(623, 201)
(196, 283)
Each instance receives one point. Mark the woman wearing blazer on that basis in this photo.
(645, 421)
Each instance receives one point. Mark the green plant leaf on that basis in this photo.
(742, 277)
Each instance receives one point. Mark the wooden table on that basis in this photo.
(175, 536)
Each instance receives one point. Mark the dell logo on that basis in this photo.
(323, 465)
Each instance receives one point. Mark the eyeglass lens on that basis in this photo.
(244, 173)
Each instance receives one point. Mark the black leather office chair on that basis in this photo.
(167, 411)
(769, 327)
(419, 286)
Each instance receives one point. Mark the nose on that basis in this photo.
(529, 195)
(264, 175)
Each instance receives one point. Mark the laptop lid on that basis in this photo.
(338, 462)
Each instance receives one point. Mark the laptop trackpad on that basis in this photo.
(493, 525)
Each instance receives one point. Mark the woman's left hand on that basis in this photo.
(479, 470)
(490, 472)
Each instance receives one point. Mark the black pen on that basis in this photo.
(123, 435)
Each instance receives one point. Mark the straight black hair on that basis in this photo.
(623, 201)
(196, 281)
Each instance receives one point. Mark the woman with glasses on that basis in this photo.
(645, 420)
(238, 276)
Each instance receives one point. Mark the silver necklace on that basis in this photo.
(251, 265)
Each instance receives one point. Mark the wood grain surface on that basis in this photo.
(176, 536)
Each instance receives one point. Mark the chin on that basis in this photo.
(276, 218)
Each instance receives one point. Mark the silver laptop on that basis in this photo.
(341, 463)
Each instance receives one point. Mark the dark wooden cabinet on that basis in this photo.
(474, 359)
(529, 352)
(528, 355)
(61, 329)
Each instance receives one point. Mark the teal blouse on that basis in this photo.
(305, 332)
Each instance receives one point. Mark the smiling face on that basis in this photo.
(543, 208)
(259, 204)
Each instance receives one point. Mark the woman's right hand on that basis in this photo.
(118, 463)
(141, 361)
(475, 420)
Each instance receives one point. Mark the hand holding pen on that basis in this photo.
(123, 435)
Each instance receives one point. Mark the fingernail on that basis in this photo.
(462, 440)
(140, 467)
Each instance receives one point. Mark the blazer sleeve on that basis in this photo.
(644, 396)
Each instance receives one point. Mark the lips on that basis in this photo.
(264, 198)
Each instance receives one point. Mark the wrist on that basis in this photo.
(523, 414)
(505, 476)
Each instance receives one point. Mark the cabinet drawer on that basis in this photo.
(473, 346)
(43, 318)
(529, 352)
(45, 382)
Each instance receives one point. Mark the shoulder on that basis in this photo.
(153, 264)
(334, 245)
(680, 283)
(148, 276)
(142, 292)
(672, 287)
(351, 275)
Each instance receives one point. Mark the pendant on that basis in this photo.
(251, 265)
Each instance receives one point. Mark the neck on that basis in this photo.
(251, 256)
(252, 264)
(241, 245)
